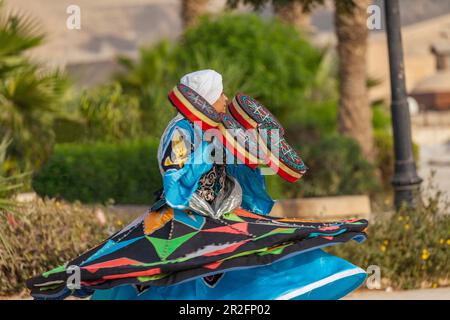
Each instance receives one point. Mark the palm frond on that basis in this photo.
(8, 205)
(18, 33)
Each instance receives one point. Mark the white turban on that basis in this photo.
(207, 83)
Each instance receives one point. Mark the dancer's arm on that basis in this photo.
(183, 165)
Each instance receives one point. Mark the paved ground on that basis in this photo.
(434, 143)
(424, 294)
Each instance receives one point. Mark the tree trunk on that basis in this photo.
(292, 13)
(355, 114)
(191, 10)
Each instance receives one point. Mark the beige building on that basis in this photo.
(112, 27)
(433, 92)
(420, 63)
(108, 28)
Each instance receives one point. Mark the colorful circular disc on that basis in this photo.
(194, 107)
(240, 141)
(252, 114)
(280, 156)
(290, 165)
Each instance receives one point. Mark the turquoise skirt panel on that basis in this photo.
(312, 275)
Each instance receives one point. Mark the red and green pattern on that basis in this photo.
(240, 142)
(251, 114)
(193, 106)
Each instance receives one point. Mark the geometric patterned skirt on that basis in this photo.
(179, 254)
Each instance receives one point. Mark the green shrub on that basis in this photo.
(109, 115)
(384, 145)
(274, 185)
(272, 62)
(268, 60)
(104, 113)
(410, 246)
(9, 186)
(46, 234)
(264, 58)
(336, 167)
(126, 172)
(150, 79)
(381, 118)
(30, 95)
(276, 64)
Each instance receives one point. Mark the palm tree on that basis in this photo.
(355, 114)
(29, 95)
(292, 12)
(191, 10)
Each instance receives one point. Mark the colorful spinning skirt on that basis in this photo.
(179, 254)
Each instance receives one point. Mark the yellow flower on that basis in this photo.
(118, 222)
(407, 226)
(448, 242)
(400, 218)
(386, 242)
(425, 254)
(435, 285)
(383, 248)
(441, 241)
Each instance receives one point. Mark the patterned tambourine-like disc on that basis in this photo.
(194, 107)
(234, 137)
(252, 114)
(241, 142)
(286, 162)
(278, 154)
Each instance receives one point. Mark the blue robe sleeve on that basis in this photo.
(254, 195)
(182, 164)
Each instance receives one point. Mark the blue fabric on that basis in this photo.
(254, 195)
(289, 276)
(180, 184)
(109, 247)
(313, 274)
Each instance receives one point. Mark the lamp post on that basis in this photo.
(406, 182)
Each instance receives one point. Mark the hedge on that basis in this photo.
(125, 172)
(128, 172)
(44, 234)
(410, 246)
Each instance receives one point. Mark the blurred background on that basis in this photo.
(83, 103)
